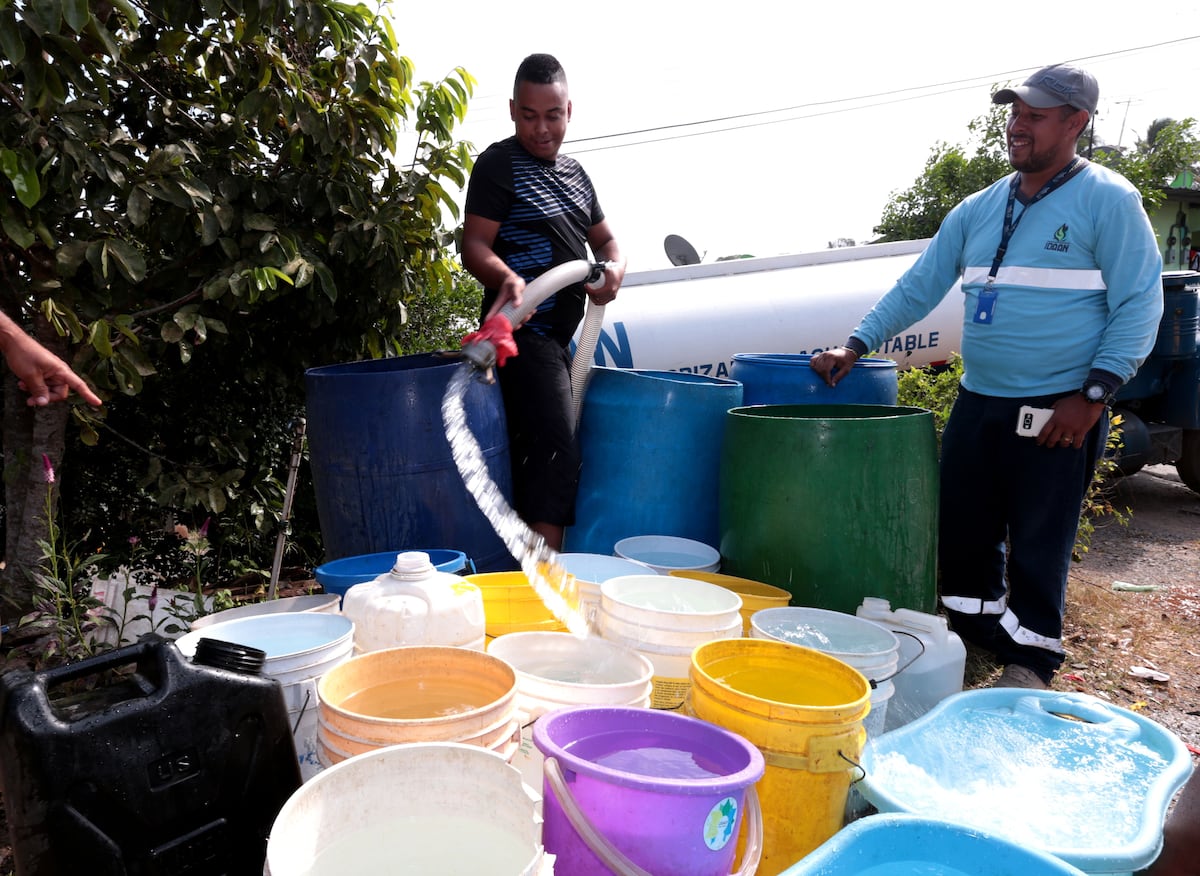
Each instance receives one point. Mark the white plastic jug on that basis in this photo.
(933, 659)
(415, 604)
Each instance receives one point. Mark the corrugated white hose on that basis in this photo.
(581, 364)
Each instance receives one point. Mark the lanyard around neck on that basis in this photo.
(1010, 225)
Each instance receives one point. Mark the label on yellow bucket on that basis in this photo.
(668, 693)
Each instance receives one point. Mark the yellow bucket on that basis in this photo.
(804, 711)
(511, 605)
(755, 594)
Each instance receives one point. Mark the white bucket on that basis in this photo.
(592, 570)
(556, 670)
(324, 603)
(301, 647)
(862, 644)
(665, 619)
(425, 809)
(667, 553)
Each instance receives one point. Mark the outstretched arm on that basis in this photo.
(39, 372)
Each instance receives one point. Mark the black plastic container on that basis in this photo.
(179, 769)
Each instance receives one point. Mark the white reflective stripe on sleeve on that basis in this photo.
(1037, 278)
(967, 605)
(1022, 636)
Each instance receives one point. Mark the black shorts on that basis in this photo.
(536, 385)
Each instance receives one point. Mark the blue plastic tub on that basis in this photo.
(1065, 773)
(338, 576)
(896, 844)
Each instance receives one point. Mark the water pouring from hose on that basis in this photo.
(484, 350)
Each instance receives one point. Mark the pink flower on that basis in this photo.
(204, 527)
(152, 602)
(47, 469)
(133, 539)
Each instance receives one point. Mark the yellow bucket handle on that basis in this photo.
(615, 859)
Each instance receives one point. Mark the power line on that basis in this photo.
(833, 106)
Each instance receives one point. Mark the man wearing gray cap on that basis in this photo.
(1061, 280)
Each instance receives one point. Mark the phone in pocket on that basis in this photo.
(1030, 420)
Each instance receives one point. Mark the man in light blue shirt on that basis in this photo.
(1062, 287)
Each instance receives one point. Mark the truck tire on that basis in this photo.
(1188, 464)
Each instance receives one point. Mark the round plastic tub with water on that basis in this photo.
(667, 553)
(907, 845)
(1066, 773)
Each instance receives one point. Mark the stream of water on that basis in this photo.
(539, 561)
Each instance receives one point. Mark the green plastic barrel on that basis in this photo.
(833, 503)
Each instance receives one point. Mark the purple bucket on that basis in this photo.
(627, 788)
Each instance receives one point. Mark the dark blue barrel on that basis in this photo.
(1180, 323)
(787, 379)
(651, 447)
(381, 465)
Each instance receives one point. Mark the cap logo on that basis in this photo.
(1057, 86)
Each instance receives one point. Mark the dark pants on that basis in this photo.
(1009, 512)
(536, 385)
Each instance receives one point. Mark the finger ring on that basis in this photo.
(1067, 439)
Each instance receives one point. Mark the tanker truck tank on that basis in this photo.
(694, 318)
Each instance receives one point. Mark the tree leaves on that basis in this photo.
(19, 167)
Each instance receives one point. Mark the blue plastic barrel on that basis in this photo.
(382, 469)
(651, 448)
(1180, 324)
(787, 379)
(338, 576)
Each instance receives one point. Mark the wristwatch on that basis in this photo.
(1097, 393)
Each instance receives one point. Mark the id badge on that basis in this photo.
(986, 308)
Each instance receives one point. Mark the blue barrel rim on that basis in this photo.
(791, 360)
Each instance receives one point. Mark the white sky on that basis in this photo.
(855, 133)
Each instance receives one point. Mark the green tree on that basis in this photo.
(951, 173)
(1169, 148)
(204, 196)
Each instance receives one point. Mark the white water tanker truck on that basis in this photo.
(694, 318)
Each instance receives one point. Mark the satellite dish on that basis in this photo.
(679, 251)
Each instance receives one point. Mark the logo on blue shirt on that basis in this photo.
(1059, 243)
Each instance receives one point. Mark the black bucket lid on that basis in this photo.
(229, 655)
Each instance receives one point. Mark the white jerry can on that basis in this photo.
(415, 604)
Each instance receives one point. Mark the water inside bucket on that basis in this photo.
(427, 846)
(538, 561)
(415, 698)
